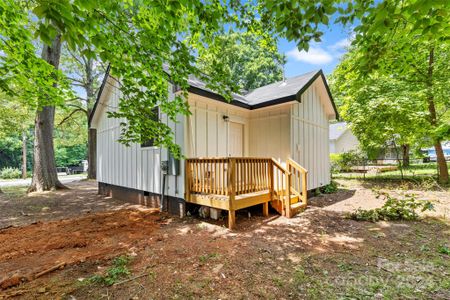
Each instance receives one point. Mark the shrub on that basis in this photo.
(10, 173)
(343, 162)
(394, 209)
(329, 188)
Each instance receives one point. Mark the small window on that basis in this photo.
(155, 117)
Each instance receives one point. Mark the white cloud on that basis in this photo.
(315, 55)
(341, 44)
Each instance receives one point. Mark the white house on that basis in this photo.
(341, 138)
(230, 146)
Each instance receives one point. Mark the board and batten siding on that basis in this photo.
(207, 133)
(134, 166)
(309, 137)
(270, 133)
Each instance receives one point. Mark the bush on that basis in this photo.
(329, 188)
(393, 210)
(343, 162)
(10, 173)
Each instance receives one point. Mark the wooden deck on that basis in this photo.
(234, 183)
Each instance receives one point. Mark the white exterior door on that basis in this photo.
(235, 139)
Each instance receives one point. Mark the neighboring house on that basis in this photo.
(229, 146)
(431, 152)
(342, 139)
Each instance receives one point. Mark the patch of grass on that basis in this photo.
(393, 210)
(205, 257)
(278, 281)
(344, 267)
(311, 283)
(15, 191)
(417, 176)
(444, 249)
(113, 274)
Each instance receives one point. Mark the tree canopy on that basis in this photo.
(150, 43)
(247, 60)
(396, 77)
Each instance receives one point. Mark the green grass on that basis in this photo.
(423, 176)
(15, 191)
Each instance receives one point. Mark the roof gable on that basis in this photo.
(337, 130)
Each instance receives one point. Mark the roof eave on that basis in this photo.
(327, 88)
(100, 92)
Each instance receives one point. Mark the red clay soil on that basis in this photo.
(191, 258)
(27, 251)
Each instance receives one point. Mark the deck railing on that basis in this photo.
(234, 176)
(220, 176)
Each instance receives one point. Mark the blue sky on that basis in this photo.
(324, 55)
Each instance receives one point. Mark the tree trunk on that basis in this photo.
(442, 164)
(45, 177)
(405, 155)
(24, 155)
(92, 133)
(92, 153)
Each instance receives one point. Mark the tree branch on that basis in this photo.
(70, 115)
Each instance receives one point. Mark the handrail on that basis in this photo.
(281, 185)
(298, 183)
(296, 165)
(279, 166)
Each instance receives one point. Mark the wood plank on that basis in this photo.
(215, 201)
(247, 201)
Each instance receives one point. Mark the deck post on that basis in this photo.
(187, 181)
(288, 194)
(266, 209)
(271, 187)
(304, 187)
(232, 192)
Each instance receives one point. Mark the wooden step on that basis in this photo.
(294, 199)
(296, 208)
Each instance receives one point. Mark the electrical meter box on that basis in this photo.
(170, 166)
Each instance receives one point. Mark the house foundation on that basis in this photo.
(173, 205)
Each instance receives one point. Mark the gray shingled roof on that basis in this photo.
(337, 129)
(281, 89)
(195, 82)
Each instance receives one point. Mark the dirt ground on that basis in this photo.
(319, 254)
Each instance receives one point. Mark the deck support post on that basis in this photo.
(231, 219)
(266, 209)
(305, 188)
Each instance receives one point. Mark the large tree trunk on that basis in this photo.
(442, 164)
(24, 155)
(405, 155)
(92, 133)
(92, 153)
(45, 177)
